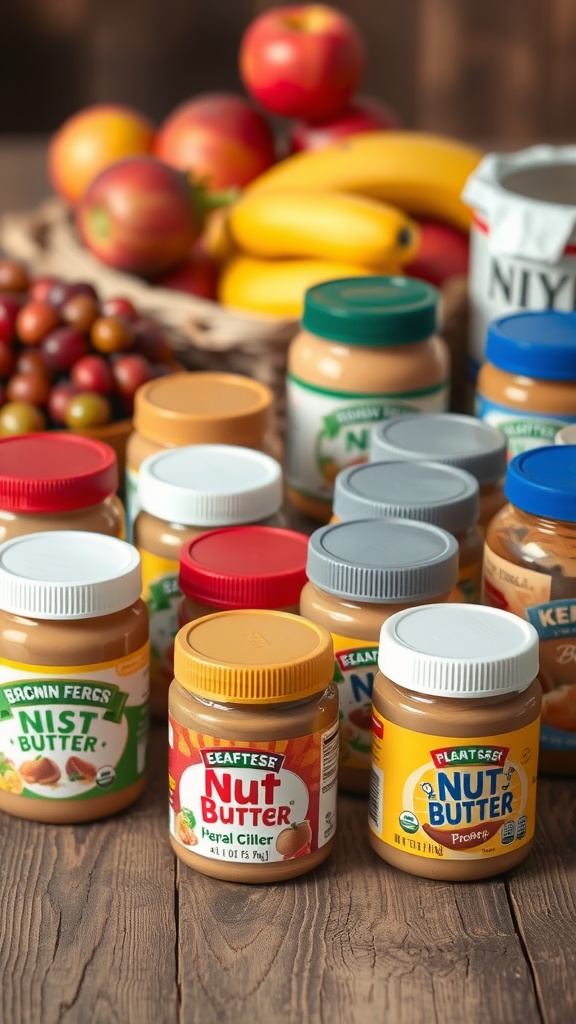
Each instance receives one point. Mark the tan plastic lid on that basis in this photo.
(253, 657)
(203, 408)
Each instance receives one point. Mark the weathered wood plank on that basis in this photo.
(354, 942)
(87, 923)
(543, 897)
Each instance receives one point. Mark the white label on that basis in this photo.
(524, 430)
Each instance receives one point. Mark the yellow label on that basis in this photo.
(355, 666)
(453, 798)
(161, 594)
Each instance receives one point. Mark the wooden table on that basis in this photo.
(99, 924)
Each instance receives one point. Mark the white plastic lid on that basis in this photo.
(458, 650)
(68, 574)
(567, 435)
(210, 485)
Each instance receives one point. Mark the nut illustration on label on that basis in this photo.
(40, 772)
(295, 841)
(185, 824)
(79, 770)
(10, 778)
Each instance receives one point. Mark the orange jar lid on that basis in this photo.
(253, 657)
(203, 408)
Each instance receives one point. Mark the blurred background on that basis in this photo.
(500, 72)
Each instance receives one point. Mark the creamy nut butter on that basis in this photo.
(455, 742)
(182, 493)
(454, 440)
(196, 408)
(530, 569)
(359, 573)
(527, 386)
(58, 481)
(242, 567)
(426, 491)
(253, 755)
(73, 676)
(367, 350)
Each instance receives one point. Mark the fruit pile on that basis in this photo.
(203, 206)
(66, 358)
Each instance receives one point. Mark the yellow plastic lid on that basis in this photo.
(203, 408)
(253, 657)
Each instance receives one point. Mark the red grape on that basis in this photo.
(119, 306)
(92, 373)
(59, 400)
(62, 348)
(28, 387)
(34, 321)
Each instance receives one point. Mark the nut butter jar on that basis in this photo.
(453, 439)
(367, 350)
(183, 492)
(253, 754)
(360, 573)
(527, 386)
(455, 752)
(196, 408)
(530, 569)
(242, 567)
(73, 676)
(58, 481)
(426, 491)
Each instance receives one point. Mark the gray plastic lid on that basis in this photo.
(450, 438)
(383, 561)
(426, 491)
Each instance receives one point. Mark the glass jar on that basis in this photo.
(530, 569)
(73, 676)
(455, 440)
(455, 755)
(253, 753)
(367, 350)
(182, 493)
(426, 491)
(58, 481)
(359, 573)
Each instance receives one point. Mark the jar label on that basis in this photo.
(252, 802)
(527, 593)
(355, 666)
(161, 594)
(131, 500)
(75, 732)
(524, 430)
(329, 430)
(453, 798)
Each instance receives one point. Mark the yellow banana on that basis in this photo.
(324, 225)
(421, 173)
(277, 286)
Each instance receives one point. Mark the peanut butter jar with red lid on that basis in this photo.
(253, 746)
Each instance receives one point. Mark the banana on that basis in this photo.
(277, 286)
(421, 173)
(324, 225)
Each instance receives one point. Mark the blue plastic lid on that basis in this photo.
(543, 481)
(539, 344)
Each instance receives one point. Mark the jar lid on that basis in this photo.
(543, 481)
(372, 311)
(203, 408)
(567, 435)
(383, 560)
(55, 472)
(245, 567)
(68, 574)
(458, 650)
(450, 438)
(426, 491)
(210, 485)
(253, 657)
(540, 344)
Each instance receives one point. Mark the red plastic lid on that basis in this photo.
(55, 472)
(245, 567)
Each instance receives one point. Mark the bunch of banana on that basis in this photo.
(341, 212)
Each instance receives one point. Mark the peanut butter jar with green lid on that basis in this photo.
(253, 746)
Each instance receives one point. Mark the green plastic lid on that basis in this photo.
(374, 311)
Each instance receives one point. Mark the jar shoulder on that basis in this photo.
(526, 393)
(73, 641)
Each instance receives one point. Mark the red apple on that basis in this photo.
(364, 114)
(219, 138)
(303, 61)
(443, 252)
(198, 275)
(139, 216)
